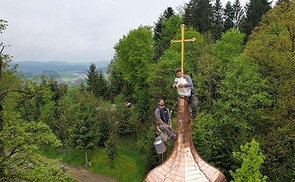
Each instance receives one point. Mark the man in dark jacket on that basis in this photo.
(163, 120)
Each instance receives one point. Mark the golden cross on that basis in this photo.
(182, 44)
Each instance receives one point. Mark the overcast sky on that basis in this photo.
(75, 30)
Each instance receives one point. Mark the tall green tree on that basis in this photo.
(117, 84)
(162, 75)
(96, 82)
(272, 47)
(228, 16)
(30, 105)
(133, 57)
(92, 79)
(217, 20)
(239, 108)
(21, 141)
(112, 148)
(102, 89)
(49, 110)
(23, 160)
(252, 158)
(84, 132)
(238, 14)
(170, 29)
(198, 14)
(160, 44)
(232, 97)
(229, 47)
(8, 82)
(255, 9)
(213, 65)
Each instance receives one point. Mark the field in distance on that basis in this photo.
(59, 70)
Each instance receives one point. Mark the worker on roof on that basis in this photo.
(163, 120)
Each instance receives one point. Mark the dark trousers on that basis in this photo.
(193, 102)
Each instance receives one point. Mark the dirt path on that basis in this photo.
(83, 175)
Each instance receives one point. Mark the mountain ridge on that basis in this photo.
(38, 67)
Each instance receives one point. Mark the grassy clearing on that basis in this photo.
(128, 164)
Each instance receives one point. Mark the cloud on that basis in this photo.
(74, 30)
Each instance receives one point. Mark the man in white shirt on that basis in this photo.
(185, 87)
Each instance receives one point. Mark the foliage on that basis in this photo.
(233, 96)
(233, 15)
(255, 9)
(150, 156)
(84, 133)
(241, 96)
(239, 108)
(217, 20)
(161, 77)
(104, 112)
(133, 57)
(271, 46)
(160, 44)
(123, 116)
(198, 15)
(22, 144)
(20, 141)
(252, 159)
(213, 64)
(202, 133)
(3, 25)
(229, 46)
(206, 80)
(96, 83)
(129, 159)
(111, 148)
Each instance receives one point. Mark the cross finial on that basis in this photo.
(182, 44)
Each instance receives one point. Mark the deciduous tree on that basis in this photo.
(272, 46)
(252, 158)
(133, 58)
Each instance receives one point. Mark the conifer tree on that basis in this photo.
(238, 14)
(228, 16)
(102, 87)
(198, 14)
(92, 79)
(217, 20)
(111, 148)
(233, 15)
(160, 45)
(255, 9)
(84, 133)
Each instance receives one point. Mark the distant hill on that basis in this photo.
(59, 70)
(37, 68)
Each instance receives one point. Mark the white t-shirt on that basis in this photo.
(185, 91)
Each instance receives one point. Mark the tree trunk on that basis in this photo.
(86, 158)
(2, 152)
